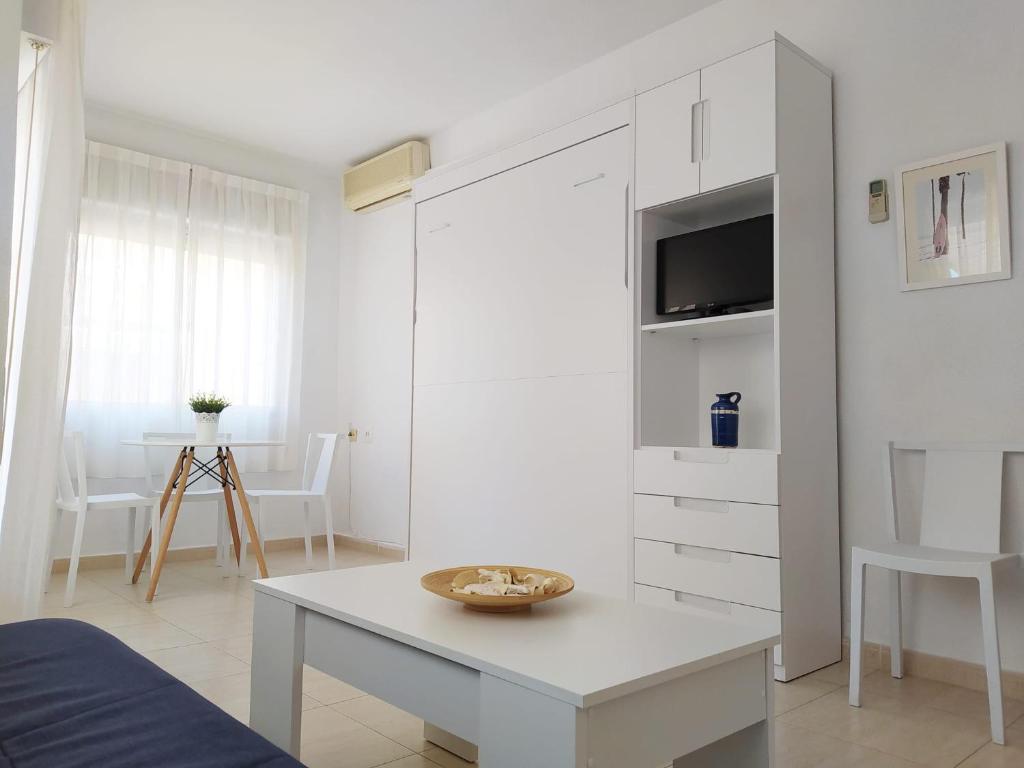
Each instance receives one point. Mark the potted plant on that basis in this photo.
(207, 408)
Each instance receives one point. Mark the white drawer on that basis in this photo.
(752, 528)
(708, 473)
(681, 601)
(736, 578)
(687, 603)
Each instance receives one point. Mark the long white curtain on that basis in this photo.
(41, 324)
(188, 280)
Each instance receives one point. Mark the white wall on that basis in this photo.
(913, 79)
(318, 398)
(377, 367)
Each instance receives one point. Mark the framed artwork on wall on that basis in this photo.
(953, 219)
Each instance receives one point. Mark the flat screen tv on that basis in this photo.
(719, 270)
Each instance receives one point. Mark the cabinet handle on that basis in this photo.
(625, 254)
(696, 128)
(439, 228)
(704, 603)
(702, 553)
(722, 457)
(705, 130)
(701, 505)
(588, 181)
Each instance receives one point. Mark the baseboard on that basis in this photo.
(390, 551)
(184, 554)
(965, 674)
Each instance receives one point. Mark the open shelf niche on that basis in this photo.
(685, 363)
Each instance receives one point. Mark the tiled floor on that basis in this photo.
(199, 629)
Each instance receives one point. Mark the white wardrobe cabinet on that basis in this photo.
(559, 420)
(756, 525)
(708, 130)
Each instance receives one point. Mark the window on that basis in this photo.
(188, 280)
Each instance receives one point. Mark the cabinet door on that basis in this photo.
(667, 162)
(738, 121)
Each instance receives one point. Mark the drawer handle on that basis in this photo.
(701, 505)
(704, 603)
(701, 457)
(702, 553)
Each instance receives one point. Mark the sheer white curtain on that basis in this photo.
(246, 264)
(188, 280)
(50, 177)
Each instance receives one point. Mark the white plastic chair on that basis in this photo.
(156, 474)
(960, 527)
(315, 477)
(80, 502)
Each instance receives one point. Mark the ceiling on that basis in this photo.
(335, 81)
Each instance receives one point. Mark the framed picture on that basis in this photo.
(953, 219)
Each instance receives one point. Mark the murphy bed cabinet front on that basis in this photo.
(751, 532)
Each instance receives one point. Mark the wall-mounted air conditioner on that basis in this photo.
(385, 176)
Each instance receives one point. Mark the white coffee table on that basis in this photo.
(584, 681)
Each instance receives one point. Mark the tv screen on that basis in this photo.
(717, 269)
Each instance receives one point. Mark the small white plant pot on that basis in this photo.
(206, 427)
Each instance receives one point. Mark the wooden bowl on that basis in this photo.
(440, 583)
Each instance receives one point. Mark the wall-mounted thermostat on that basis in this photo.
(878, 201)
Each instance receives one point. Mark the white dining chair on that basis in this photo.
(315, 475)
(75, 497)
(158, 463)
(959, 536)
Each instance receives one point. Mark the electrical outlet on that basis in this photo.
(367, 435)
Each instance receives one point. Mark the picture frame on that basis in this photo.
(953, 219)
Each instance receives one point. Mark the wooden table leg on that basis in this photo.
(246, 512)
(165, 537)
(140, 564)
(229, 504)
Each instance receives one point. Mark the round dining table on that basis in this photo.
(188, 469)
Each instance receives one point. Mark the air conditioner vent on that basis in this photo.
(385, 176)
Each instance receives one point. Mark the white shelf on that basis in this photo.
(744, 324)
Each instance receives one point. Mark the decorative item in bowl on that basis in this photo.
(497, 588)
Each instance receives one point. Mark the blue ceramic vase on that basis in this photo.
(725, 420)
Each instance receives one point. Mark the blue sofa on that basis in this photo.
(73, 696)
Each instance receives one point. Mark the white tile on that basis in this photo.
(446, 759)
(327, 689)
(915, 733)
(798, 692)
(231, 693)
(796, 747)
(331, 740)
(387, 720)
(239, 647)
(105, 615)
(155, 636)
(194, 663)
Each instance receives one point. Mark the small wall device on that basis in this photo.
(878, 201)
